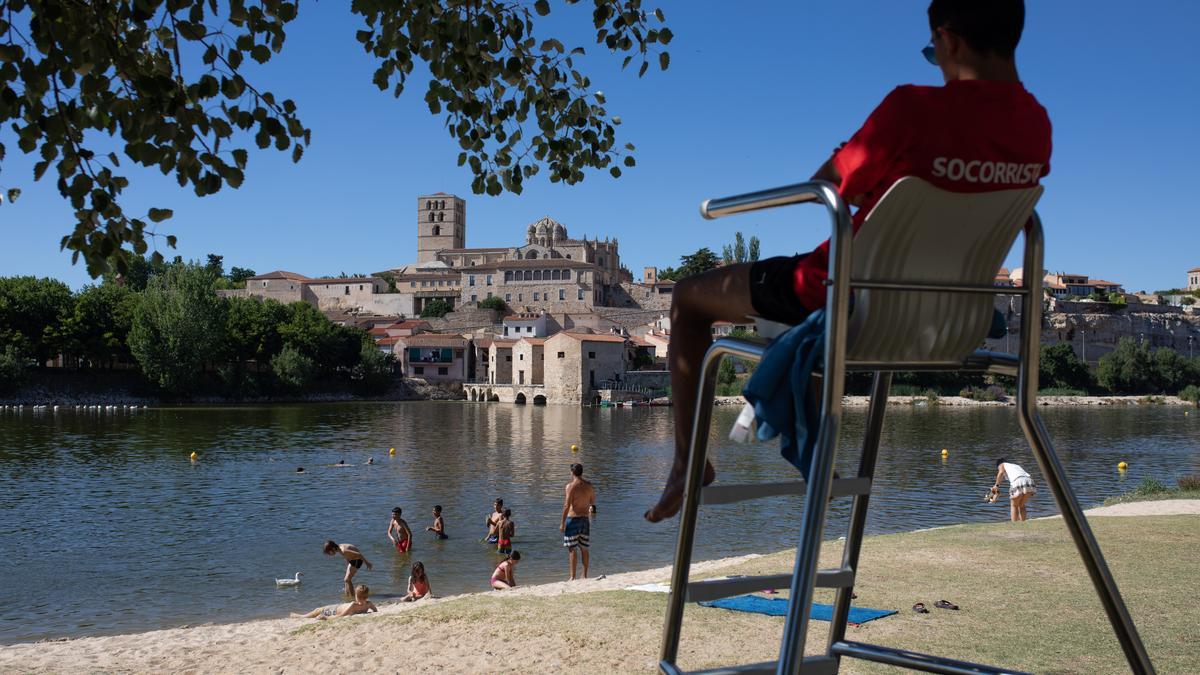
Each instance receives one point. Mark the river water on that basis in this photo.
(107, 527)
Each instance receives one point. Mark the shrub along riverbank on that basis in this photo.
(180, 340)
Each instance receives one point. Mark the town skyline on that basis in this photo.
(344, 206)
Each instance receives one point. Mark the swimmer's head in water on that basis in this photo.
(299, 469)
(330, 547)
(577, 470)
(361, 592)
(370, 460)
(341, 461)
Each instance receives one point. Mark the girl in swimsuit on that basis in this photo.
(418, 584)
(502, 578)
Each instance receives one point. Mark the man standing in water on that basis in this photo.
(579, 504)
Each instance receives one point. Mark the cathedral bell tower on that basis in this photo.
(441, 224)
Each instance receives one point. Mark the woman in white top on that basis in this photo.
(1020, 487)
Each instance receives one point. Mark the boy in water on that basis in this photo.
(506, 529)
(439, 525)
(493, 519)
(354, 561)
(403, 539)
(361, 605)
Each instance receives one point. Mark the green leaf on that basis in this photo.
(159, 215)
(629, 160)
(542, 7)
(664, 60)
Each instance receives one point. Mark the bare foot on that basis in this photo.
(672, 496)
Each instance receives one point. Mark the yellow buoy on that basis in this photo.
(193, 456)
(392, 452)
(1122, 466)
(945, 452)
(574, 448)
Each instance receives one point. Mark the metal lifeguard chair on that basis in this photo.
(922, 269)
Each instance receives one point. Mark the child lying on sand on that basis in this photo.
(360, 606)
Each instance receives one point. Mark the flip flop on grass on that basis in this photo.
(945, 604)
(919, 608)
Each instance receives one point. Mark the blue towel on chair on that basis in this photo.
(755, 604)
(778, 390)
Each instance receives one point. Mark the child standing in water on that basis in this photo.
(361, 605)
(503, 578)
(506, 529)
(439, 526)
(354, 561)
(418, 584)
(403, 539)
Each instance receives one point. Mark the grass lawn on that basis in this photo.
(1151, 490)
(1026, 602)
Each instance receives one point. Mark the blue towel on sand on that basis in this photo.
(778, 607)
(779, 386)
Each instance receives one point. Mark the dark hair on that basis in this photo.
(507, 513)
(331, 547)
(418, 570)
(515, 555)
(499, 501)
(577, 470)
(999, 461)
(438, 508)
(988, 26)
(397, 511)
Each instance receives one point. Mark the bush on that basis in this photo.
(435, 308)
(1148, 486)
(293, 369)
(1189, 482)
(12, 368)
(373, 374)
(1132, 368)
(1191, 393)
(1061, 391)
(1058, 366)
(493, 302)
(992, 393)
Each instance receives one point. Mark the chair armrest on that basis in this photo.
(798, 193)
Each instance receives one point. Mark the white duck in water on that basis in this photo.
(290, 582)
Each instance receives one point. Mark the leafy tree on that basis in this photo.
(738, 253)
(1132, 368)
(215, 265)
(292, 368)
(374, 373)
(330, 346)
(435, 308)
(1191, 393)
(493, 302)
(167, 78)
(1187, 301)
(252, 330)
(31, 311)
(178, 327)
(12, 368)
(1059, 367)
(239, 275)
(726, 373)
(700, 261)
(137, 275)
(99, 323)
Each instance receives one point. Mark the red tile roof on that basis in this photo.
(388, 340)
(533, 340)
(279, 274)
(341, 280)
(1101, 282)
(594, 337)
(410, 324)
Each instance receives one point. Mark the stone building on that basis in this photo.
(578, 364)
(525, 324)
(333, 294)
(528, 361)
(433, 357)
(1193, 279)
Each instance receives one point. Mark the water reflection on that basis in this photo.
(107, 527)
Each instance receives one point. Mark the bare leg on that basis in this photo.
(1014, 510)
(722, 294)
(500, 585)
(571, 561)
(348, 580)
(584, 553)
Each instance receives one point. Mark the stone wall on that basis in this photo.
(528, 363)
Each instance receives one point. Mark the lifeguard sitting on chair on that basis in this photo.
(980, 132)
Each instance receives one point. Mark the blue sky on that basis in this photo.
(757, 95)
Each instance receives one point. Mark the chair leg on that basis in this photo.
(858, 512)
(689, 511)
(816, 504)
(1085, 541)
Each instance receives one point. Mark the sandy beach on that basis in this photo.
(531, 629)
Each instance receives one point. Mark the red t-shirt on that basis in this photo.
(968, 136)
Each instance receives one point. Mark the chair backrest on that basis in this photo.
(918, 233)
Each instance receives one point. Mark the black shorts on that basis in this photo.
(356, 563)
(771, 290)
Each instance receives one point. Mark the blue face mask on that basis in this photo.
(930, 53)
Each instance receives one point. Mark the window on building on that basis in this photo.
(508, 358)
(437, 229)
(506, 330)
(528, 329)
(360, 287)
(568, 256)
(536, 296)
(520, 297)
(347, 292)
(489, 280)
(580, 294)
(412, 284)
(562, 355)
(264, 284)
(591, 355)
(520, 357)
(443, 371)
(471, 280)
(562, 294)
(441, 217)
(418, 370)
(508, 297)
(431, 216)
(489, 294)
(428, 204)
(474, 298)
